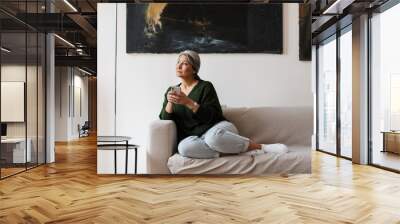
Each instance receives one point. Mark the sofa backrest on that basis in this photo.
(287, 125)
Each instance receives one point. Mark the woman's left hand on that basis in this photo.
(181, 98)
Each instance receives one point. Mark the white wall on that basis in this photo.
(68, 81)
(62, 81)
(135, 83)
(82, 114)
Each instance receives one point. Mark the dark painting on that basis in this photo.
(206, 28)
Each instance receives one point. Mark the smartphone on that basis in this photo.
(176, 89)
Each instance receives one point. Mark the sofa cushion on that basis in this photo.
(267, 125)
(298, 160)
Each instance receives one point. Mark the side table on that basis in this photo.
(112, 144)
(391, 141)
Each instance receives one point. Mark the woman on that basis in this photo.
(203, 132)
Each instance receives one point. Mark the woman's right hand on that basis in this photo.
(169, 107)
(170, 96)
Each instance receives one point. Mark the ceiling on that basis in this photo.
(74, 22)
(329, 16)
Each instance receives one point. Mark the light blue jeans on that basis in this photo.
(223, 137)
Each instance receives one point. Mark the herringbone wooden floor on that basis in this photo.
(69, 191)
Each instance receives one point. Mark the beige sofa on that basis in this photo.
(289, 125)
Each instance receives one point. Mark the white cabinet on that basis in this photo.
(17, 146)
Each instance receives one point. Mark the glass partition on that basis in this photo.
(15, 151)
(327, 96)
(41, 96)
(22, 88)
(31, 100)
(385, 89)
(346, 94)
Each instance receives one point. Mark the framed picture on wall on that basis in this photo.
(12, 101)
(205, 28)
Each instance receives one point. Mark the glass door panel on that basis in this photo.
(327, 97)
(385, 89)
(14, 150)
(346, 94)
(32, 96)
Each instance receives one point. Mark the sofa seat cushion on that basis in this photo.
(298, 160)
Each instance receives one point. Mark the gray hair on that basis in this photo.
(194, 61)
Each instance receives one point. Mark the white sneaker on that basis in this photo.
(275, 148)
(268, 148)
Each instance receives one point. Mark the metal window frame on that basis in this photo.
(334, 37)
(387, 5)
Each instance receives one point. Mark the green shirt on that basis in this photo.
(208, 114)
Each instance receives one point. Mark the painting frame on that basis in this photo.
(152, 31)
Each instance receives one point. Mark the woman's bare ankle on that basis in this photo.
(253, 146)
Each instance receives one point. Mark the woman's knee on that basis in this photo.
(228, 126)
(187, 145)
(225, 141)
(214, 138)
(195, 148)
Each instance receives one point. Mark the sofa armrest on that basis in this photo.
(162, 143)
